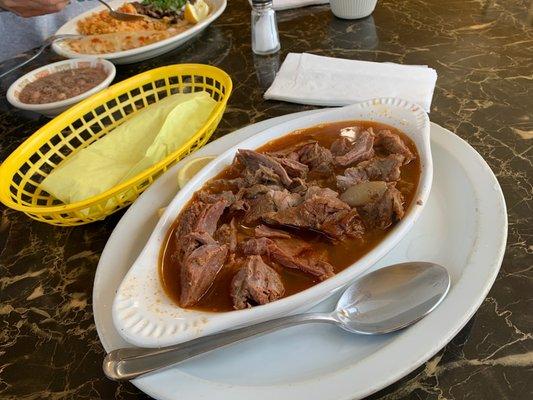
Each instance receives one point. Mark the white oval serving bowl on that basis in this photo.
(57, 107)
(145, 316)
(139, 53)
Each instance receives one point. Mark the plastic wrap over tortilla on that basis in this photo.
(143, 140)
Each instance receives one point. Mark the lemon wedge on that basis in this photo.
(196, 12)
(186, 172)
(191, 168)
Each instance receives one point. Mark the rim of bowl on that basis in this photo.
(109, 67)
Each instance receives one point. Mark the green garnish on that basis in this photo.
(166, 5)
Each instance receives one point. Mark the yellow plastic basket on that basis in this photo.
(81, 125)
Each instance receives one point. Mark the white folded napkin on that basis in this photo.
(287, 4)
(325, 81)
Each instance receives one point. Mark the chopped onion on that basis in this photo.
(363, 193)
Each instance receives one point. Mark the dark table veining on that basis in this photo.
(483, 53)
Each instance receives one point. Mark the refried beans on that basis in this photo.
(62, 85)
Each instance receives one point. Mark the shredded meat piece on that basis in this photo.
(254, 161)
(382, 212)
(292, 253)
(219, 185)
(211, 198)
(320, 191)
(266, 231)
(316, 157)
(191, 242)
(291, 152)
(256, 208)
(341, 146)
(262, 175)
(255, 190)
(359, 149)
(298, 186)
(196, 226)
(284, 199)
(188, 218)
(227, 234)
(294, 168)
(255, 283)
(258, 246)
(377, 169)
(240, 205)
(391, 143)
(273, 200)
(208, 219)
(198, 272)
(303, 258)
(325, 214)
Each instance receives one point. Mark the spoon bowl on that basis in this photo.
(382, 301)
(392, 298)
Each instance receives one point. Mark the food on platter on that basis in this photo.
(163, 19)
(62, 85)
(289, 215)
(114, 42)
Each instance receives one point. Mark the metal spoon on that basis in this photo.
(120, 15)
(383, 301)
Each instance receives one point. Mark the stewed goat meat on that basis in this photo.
(255, 283)
(289, 215)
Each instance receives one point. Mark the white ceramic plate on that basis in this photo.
(464, 227)
(57, 107)
(145, 316)
(140, 53)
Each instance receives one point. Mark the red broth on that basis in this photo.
(340, 254)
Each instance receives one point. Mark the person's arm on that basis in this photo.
(32, 8)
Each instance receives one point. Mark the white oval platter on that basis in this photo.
(140, 53)
(463, 226)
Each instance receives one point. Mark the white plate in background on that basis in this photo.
(139, 53)
(464, 227)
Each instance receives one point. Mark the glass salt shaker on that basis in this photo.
(265, 37)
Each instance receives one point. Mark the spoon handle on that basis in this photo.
(107, 5)
(130, 363)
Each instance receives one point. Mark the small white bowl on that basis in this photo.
(57, 107)
(352, 9)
